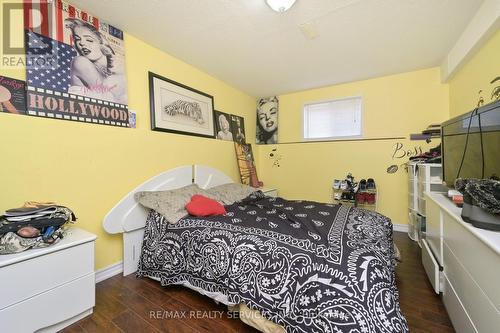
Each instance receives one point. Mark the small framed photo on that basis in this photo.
(180, 109)
(223, 126)
(238, 125)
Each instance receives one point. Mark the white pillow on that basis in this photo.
(227, 194)
(171, 204)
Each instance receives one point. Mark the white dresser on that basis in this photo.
(470, 260)
(47, 289)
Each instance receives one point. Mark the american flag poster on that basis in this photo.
(75, 65)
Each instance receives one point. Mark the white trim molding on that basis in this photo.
(483, 25)
(108, 272)
(400, 227)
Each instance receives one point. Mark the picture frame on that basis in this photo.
(223, 126)
(177, 108)
(238, 127)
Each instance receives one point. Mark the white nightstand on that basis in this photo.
(47, 289)
(272, 192)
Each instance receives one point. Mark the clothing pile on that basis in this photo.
(431, 156)
(34, 225)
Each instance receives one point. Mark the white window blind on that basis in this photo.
(333, 119)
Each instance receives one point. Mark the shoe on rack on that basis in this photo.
(360, 197)
(362, 185)
(343, 185)
(337, 196)
(370, 185)
(336, 184)
(370, 198)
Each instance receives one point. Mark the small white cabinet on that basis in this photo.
(45, 290)
(272, 192)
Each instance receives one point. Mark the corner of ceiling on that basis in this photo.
(483, 25)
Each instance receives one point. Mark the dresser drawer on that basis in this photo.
(465, 246)
(461, 321)
(51, 307)
(434, 229)
(27, 278)
(431, 266)
(481, 311)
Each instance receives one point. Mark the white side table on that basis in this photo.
(45, 290)
(272, 192)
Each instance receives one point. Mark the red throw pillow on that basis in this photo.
(203, 206)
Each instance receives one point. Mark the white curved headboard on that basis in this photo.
(129, 217)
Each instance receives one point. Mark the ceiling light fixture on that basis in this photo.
(280, 6)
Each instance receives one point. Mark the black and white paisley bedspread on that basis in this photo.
(307, 266)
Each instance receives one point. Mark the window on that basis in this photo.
(335, 119)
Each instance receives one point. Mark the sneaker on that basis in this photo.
(370, 185)
(362, 185)
(360, 197)
(343, 185)
(336, 184)
(370, 198)
(337, 196)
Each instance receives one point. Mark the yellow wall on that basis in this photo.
(90, 168)
(393, 106)
(476, 75)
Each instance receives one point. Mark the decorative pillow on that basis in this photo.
(203, 206)
(227, 194)
(171, 204)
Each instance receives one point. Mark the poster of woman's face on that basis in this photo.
(224, 130)
(90, 54)
(267, 120)
(98, 70)
(238, 124)
(86, 70)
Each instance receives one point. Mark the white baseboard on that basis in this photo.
(400, 227)
(108, 272)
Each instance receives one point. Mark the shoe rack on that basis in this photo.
(343, 191)
(367, 196)
(349, 192)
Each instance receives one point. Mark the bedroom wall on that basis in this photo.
(90, 168)
(476, 75)
(393, 106)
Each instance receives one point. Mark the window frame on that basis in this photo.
(334, 138)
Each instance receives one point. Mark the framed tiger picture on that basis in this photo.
(180, 109)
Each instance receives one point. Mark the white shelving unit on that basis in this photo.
(422, 178)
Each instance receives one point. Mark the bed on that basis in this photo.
(288, 266)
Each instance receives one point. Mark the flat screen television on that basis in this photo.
(470, 144)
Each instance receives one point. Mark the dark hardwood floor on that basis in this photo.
(127, 304)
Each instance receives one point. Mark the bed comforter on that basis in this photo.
(307, 266)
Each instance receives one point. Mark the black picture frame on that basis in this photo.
(180, 109)
(221, 133)
(238, 127)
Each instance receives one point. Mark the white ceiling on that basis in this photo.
(264, 53)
